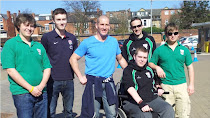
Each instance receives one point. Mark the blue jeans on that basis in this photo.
(110, 111)
(66, 88)
(29, 106)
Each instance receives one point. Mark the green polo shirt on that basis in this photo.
(30, 62)
(172, 62)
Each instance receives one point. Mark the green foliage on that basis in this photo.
(154, 30)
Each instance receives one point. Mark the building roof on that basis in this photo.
(205, 24)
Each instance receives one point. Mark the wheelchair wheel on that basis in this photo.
(121, 113)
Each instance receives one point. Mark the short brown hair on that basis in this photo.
(24, 18)
(142, 49)
(58, 11)
(133, 19)
(170, 28)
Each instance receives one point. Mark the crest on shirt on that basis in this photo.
(146, 46)
(181, 52)
(39, 51)
(148, 74)
(70, 42)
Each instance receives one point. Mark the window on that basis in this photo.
(166, 21)
(86, 32)
(172, 12)
(1, 19)
(85, 25)
(53, 26)
(46, 27)
(111, 15)
(145, 22)
(166, 12)
(76, 25)
(2, 27)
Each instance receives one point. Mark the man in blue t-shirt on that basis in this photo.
(100, 52)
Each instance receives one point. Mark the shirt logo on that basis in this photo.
(148, 74)
(55, 43)
(146, 46)
(70, 42)
(39, 51)
(138, 77)
(133, 49)
(181, 52)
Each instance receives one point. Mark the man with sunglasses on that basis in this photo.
(136, 39)
(168, 60)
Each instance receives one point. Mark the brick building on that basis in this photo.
(7, 27)
(166, 14)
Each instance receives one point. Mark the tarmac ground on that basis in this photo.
(200, 100)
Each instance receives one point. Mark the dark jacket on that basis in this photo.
(141, 78)
(88, 95)
(130, 45)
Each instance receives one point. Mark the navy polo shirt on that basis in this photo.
(59, 51)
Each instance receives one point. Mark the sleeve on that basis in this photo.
(82, 49)
(124, 51)
(188, 58)
(127, 80)
(45, 60)
(155, 57)
(118, 49)
(44, 42)
(154, 44)
(8, 56)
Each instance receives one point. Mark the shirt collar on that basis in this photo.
(56, 35)
(20, 40)
(177, 42)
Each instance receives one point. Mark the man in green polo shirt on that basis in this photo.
(168, 60)
(28, 69)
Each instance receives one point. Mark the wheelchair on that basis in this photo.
(122, 96)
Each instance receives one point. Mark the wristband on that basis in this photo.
(142, 104)
(31, 89)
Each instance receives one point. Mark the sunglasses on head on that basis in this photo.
(175, 33)
(136, 26)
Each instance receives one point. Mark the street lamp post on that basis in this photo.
(151, 17)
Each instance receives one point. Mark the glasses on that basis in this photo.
(133, 27)
(175, 33)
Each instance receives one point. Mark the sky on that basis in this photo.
(45, 7)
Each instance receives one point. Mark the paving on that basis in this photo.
(200, 100)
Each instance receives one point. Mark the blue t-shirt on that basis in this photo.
(100, 56)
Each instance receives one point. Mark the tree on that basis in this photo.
(122, 25)
(193, 12)
(80, 12)
(27, 11)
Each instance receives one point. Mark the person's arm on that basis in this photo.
(44, 42)
(123, 63)
(124, 51)
(46, 76)
(14, 74)
(158, 69)
(190, 88)
(143, 106)
(75, 66)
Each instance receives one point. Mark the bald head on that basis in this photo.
(103, 17)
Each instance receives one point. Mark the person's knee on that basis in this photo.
(169, 110)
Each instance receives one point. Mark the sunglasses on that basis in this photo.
(175, 33)
(133, 27)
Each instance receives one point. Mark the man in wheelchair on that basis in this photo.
(138, 81)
